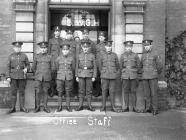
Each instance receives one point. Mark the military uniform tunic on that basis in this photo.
(65, 66)
(16, 63)
(151, 67)
(130, 68)
(109, 68)
(86, 70)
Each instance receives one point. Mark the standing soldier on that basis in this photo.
(54, 50)
(65, 65)
(129, 64)
(42, 68)
(151, 67)
(86, 71)
(100, 49)
(109, 68)
(70, 40)
(18, 66)
(85, 33)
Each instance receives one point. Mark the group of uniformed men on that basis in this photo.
(61, 64)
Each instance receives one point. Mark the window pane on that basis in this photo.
(30, 57)
(137, 48)
(55, 0)
(134, 37)
(65, 0)
(133, 28)
(24, 27)
(94, 1)
(24, 16)
(24, 37)
(27, 47)
(134, 8)
(134, 18)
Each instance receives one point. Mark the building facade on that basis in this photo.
(32, 21)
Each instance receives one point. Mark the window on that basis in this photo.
(134, 23)
(80, 1)
(24, 10)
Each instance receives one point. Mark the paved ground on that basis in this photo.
(84, 125)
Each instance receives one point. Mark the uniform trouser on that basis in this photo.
(39, 87)
(108, 85)
(85, 87)
(53, 81)
(151, 90)
(97, 85)
(64, 86)
(129, 87)
(18, 85)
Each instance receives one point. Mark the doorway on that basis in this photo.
(76, 19)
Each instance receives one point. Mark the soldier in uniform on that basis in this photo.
(18, 66)
(130, 67)
(109, 69)
(100, 49)
(85, 34)
(54, 51)
(151, 67)
(70, 40)
(86, 71)
(42, 68)
(65, 65)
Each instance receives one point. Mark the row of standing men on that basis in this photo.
(62, 62)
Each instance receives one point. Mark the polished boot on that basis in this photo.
(90, 108)
(13, 109)
(46, 109)
(22, 108)
(125, 110)
(154, 112)
(68, 104)
(60, 104)
(37, 109)
(80, 104)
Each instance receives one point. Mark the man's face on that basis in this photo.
(128, 48)
(108, 48)
(69, 36)
(65, 51)
(101, 38)
(43, 50)
(17, 49)
(57, 33)
(148, 47)
(85, 35)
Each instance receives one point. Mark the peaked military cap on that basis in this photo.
(147, 42)
(85, 31)
(128, 43)
(101, 33)
(65, 45)
(69, 31)
(17, 43)
(57, 28)
(85, 43)
(43, 44)
(109, 42)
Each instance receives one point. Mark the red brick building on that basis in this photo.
(32, 21)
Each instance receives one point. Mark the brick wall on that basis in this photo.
(7, 31)
(176, 17)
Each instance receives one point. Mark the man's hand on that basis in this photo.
(25, 70)
(77, 79)
(8, 79)
(93, 79)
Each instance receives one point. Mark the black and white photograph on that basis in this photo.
(93, 70)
